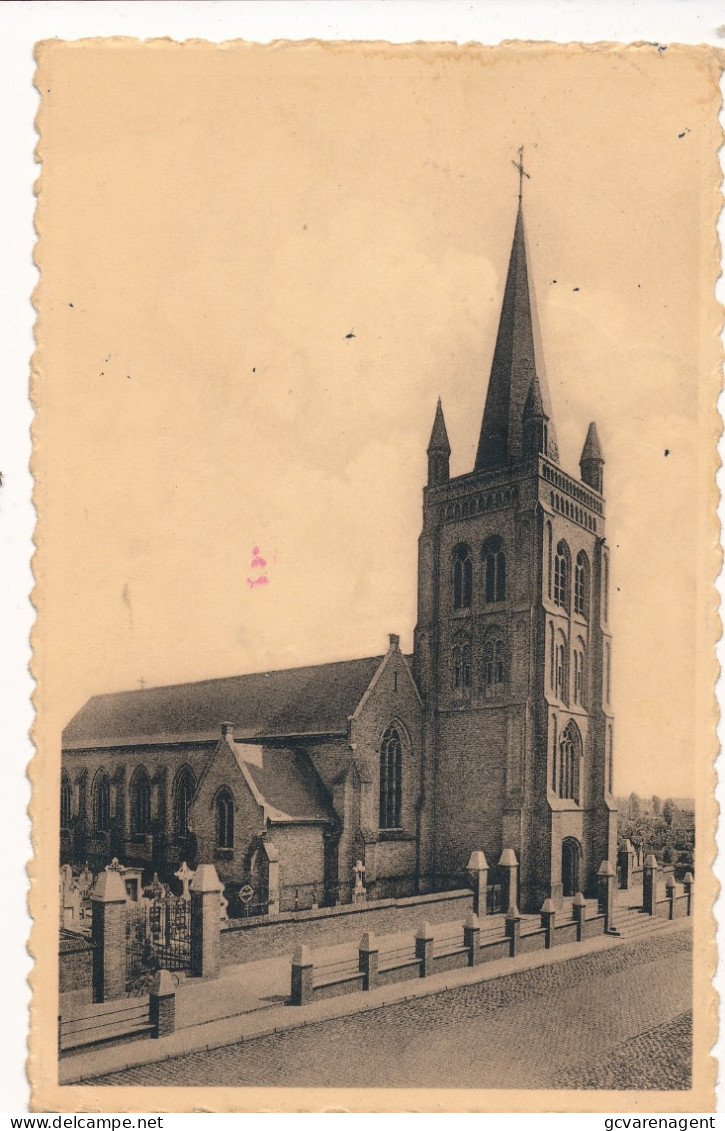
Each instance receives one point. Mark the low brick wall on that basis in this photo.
(75, 964)
(534, 941)
(566, 932)
(373, 967)
(264, 937)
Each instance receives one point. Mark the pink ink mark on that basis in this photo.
(254, 581)
(258, 562)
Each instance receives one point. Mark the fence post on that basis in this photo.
(649, 885)
(509, 869)
(688, 884)
(368, 960)
(424, 949)
(108, 932)
(671, 889)
(162, 1004)
(627, 862)
(548, 922)
(579, 914)
(607, 877)
(512, 927)
(205, 922)
(477, 868)
(302, 976)
(472, 937)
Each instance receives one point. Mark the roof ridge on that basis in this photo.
(239, 675)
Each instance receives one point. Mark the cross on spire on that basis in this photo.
(522, 172)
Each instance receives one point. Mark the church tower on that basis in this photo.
(512, 645)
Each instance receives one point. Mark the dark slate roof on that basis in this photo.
(288, 784)
(295, 701)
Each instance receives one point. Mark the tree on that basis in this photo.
(634, 805)
(668, 811)
(656, 805)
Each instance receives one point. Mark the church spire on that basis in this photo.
(439, 450)
(591, 461)
(517, 363)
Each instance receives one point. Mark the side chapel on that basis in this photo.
(496, 733)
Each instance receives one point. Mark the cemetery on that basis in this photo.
(132, 959)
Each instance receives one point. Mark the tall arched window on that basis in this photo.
(581, 586)
(561, 662)
(224, 818)
(570, 750)
(461, 664)
(462, 577)
(605, 564)
(607, 672)
(140, 803)
(549, 539)
(495, 570)
(494, 667)
(66, 795)
(391, 779)
(561, 575)
(184, 789)
(579, 673)
(552, 659)
(610, 763)
(102, 802)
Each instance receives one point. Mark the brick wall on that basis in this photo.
(75, 964)
(264, 939)
(248, 825)
(301, 861)
(470, 786)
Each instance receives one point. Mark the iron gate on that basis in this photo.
(158, 936)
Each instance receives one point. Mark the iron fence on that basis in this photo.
(158, 935)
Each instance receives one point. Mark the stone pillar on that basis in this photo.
(477, 868)
(273, 877)
(424, 949)
(512, 928)
(548, 922)
(649, 885)
(579, 914)
(162, 1004)
(671, 889)
(607, 877)
(688, 884)
(206, 891)
(302, 976)
(368, 960)
(508, 867)
(108, 932)
(472, 939)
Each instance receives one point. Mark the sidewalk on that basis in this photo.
(248, 1001)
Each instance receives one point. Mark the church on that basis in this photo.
(495, 734)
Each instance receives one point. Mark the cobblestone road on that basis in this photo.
(626, 1027)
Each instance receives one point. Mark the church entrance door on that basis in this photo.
(571, 854)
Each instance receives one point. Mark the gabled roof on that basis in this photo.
(315, 700)
(286, 785)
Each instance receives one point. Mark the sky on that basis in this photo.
(261, 267)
